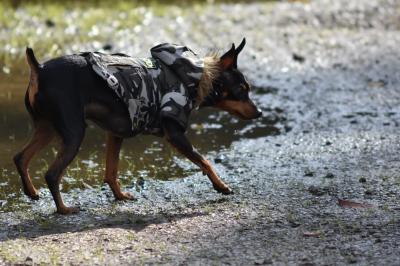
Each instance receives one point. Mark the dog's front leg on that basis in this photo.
(176, 136)
(112, 158)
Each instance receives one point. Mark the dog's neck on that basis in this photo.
(211, 72)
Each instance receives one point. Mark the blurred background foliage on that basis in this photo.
(54, 27)
(16, 3)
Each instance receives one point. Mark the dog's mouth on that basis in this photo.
(239, 115)
(244, 117)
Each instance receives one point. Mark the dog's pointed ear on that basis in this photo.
(228, 59)
(237, 51)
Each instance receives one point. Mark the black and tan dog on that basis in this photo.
(126, 96)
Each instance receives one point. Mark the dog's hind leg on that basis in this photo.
(43, 134)
(71, 130)
(112, 158)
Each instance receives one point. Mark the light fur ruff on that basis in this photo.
(210, 73)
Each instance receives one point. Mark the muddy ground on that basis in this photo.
(328, 74)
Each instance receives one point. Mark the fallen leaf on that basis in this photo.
(312, 233)
(376, 84)
(352, 204)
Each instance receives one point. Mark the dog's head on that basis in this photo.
(230, 90)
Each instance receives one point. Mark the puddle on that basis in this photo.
(141, 157)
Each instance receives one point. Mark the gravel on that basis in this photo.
(333, 68)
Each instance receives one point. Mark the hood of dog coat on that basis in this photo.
(183, 62)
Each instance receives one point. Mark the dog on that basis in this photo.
(66, 91)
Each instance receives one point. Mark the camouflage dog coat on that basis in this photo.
(162, 86)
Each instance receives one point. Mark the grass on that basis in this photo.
(55, 26)
(52, 27)
(58, 27)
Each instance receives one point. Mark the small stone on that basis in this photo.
(369, 192)
(316, 191)
(107, 47)
(219, 159)
(329, 176)
(263, 262)
(288, 128)
(294, 224)
(309, 173)
(298, 58)
(362, 180)
(328, 143)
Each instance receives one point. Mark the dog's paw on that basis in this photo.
(32, 194)
(34, 197)
(125, 196)
(68, 210)
(224, 190)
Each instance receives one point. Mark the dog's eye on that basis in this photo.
(242, 93)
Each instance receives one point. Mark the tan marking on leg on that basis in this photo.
(41, 137)
(218, 184)
(182, 144)
(207, 169)
(112, 159)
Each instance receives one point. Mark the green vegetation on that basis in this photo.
(56, 27)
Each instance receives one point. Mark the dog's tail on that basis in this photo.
(32, 61)
(33, 86)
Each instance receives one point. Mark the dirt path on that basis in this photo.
(333, 72)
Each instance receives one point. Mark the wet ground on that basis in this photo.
(327, 76)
